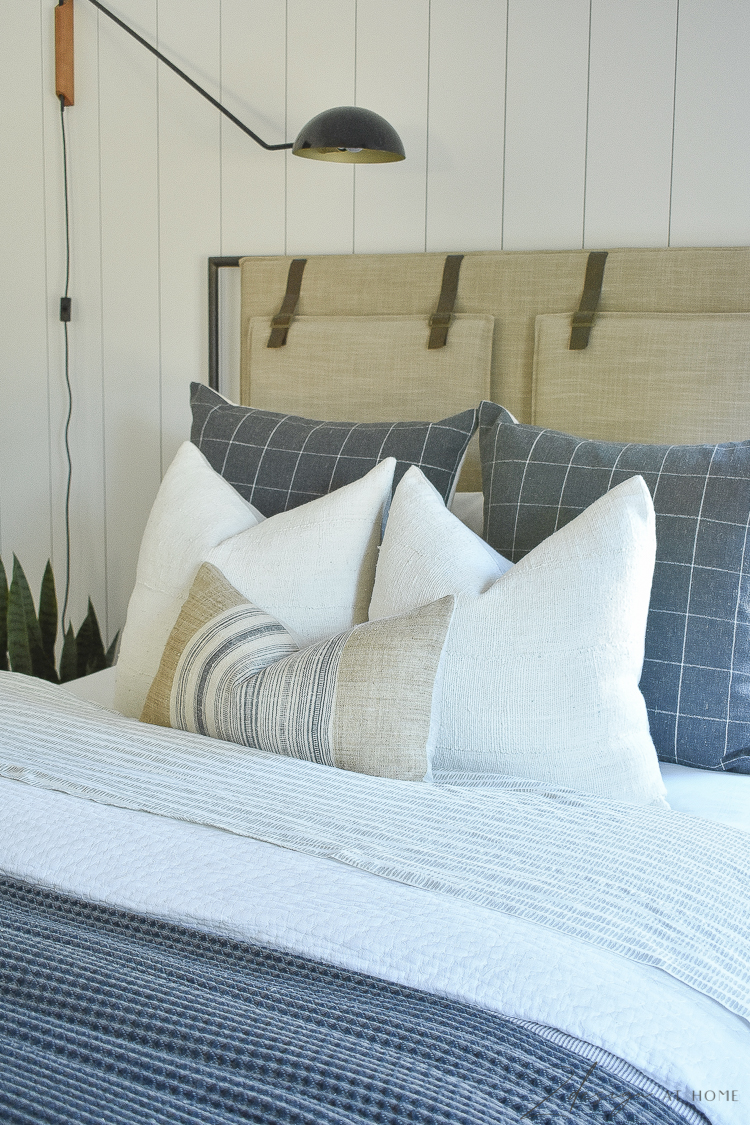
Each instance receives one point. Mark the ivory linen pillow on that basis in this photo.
(362, 700)
(194, 509)
(541, 666)
(314, 567)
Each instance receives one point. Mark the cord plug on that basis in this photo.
(65, 306)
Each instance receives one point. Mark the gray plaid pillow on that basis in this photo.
(696, 673)
(278, 461)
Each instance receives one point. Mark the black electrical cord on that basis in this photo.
(65, 303)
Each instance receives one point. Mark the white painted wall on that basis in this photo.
(527, 123)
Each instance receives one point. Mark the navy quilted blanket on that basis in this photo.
(108, 1017)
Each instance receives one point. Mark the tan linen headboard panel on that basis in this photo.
(512, 286)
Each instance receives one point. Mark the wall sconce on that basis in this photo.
(346, 135)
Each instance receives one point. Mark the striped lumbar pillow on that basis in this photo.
(362, 700)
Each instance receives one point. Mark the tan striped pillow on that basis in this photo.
(361, 700)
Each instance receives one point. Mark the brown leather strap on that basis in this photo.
(441, 318)
(282, 320)
(592, 290)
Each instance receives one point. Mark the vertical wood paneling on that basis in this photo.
(579, 151)
(253, 72)
(631, 101)
(392, 69)
(24, 418)
(130, 291)
(189, 200)
(545, 134)
(711, 184)
(320, 75)
(467, 101)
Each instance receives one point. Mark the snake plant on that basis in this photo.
(28, 638)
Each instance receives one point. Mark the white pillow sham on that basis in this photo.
(194, 509)
(312, 568)
(542, 662)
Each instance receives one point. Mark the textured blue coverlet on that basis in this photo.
(106, 1016)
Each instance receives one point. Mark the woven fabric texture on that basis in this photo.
(313, 567)
(279, 461)
(216, 611)
(696, 673)
(541, 666)
(371, 369)
(194, 510)
(661, 888)
(661, 378)
(197, 516)
(111, 1016)
(514, 287)
(362, 700)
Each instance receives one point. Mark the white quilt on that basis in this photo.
(323, 908)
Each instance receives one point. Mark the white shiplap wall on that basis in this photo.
(527, 123)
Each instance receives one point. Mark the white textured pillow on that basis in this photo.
(314, 568)
(427, 548)
(195, 509)
(541, 666)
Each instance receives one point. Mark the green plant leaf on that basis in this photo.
(41, 665)
(112, 650)
(91, 656)
(83, 645)
(96, 659)
(4, 619)
(29, 641)
(19, 645)
(69, 657)
(23, 593)
(48, 613)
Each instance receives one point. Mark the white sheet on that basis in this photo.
(723, 797)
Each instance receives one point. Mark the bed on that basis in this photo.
(406, 803)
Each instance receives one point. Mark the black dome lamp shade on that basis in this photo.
(349, 135)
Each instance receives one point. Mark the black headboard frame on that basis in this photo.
(214, 265)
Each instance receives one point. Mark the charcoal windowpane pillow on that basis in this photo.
(278, 461)
(696, 673)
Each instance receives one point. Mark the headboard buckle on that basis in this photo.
(440, 320)
(582, 320)
(443, 314)
(283, 319)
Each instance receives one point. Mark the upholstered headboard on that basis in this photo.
(667, 357)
